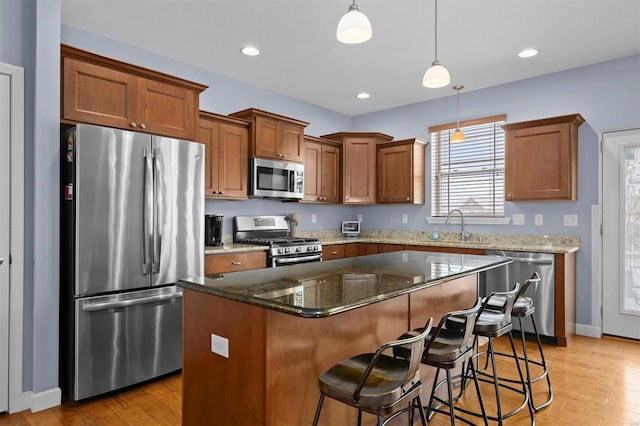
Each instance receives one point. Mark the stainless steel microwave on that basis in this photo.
(276, 179)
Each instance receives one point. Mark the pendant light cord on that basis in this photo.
(436, 29)
(458, 110)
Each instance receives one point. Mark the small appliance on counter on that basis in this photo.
(213, 230)
(350, 228)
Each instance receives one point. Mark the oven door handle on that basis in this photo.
(298, 259)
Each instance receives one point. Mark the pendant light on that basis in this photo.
(354, 27)
(457, 136)
(437, 75)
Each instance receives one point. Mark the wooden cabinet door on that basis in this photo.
(359, 172)
(207, 135)
(312, 171)
(291, 142)
(395, 174)
(541, 159)
(368, 248)
(233, 148)
(166, 110)
(330, 174)
(98, 95)
(265, 142)
(351, 250)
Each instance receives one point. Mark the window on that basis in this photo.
(470, 175)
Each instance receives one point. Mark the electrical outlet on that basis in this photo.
(359, 218)
(538, 220)
(220, 345)
(570, 220)
(314, 219)
(405, 257)
(517, 219)
(405, 218)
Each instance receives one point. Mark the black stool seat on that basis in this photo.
(523, 306)
(385, 384)
(378, 384)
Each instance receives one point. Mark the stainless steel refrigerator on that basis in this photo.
(132, 225)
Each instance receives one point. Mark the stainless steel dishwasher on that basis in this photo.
(523, 266)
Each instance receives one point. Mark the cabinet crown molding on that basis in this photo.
(575, 119)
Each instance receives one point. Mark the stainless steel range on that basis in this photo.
(273, 231)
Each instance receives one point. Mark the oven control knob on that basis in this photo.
(287, 250)
(280, 251)
(298, 249)
(311, 248)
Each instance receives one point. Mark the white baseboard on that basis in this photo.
(588, 330)
(43, 400)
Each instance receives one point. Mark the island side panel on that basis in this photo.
(300, 349)
(218, 390)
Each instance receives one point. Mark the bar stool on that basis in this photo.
(492, 323)
(523, 308)
(448, 349)
(378, 384)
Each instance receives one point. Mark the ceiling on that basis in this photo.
(478, 42)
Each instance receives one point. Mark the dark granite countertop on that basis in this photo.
(326, 288)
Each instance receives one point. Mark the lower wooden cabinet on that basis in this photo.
(333, 251)
(368, 248)
(351, 250)
(234, 262)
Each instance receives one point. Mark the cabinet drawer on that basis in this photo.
(335, 251)
(233, 262)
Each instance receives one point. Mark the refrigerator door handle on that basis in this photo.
(146, 210)
(157, 175)
(88, 307)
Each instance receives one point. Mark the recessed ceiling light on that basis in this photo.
(363, 95)
(527, 53)
(250, 51)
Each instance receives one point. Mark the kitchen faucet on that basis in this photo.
(464, 235)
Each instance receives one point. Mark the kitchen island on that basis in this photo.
(255, 342)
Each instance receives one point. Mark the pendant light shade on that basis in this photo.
(354, 27)
(436, 76)
(457, 136)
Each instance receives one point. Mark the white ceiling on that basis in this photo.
(478, 41)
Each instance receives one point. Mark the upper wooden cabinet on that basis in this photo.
(274, 136)
(401, 171)
(541, 159)
(321, 170)
(226, 143)
(359, 165)
(103, 91)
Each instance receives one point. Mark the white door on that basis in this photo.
(5, 208)
(621, 233)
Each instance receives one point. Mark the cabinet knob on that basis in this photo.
(508, 195)
(408, 199)
(220, 192)
(133, 124)
(143, 126)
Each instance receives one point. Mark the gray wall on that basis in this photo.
(38, 53)
(606, 103)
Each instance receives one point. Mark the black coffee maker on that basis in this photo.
(213, 230)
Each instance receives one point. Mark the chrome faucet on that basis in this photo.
(464, 235)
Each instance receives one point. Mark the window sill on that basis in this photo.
(470, 220)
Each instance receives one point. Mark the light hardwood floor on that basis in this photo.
(595, 382)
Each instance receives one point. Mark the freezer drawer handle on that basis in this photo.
(126, 303)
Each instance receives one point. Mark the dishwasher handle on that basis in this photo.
(524, 257)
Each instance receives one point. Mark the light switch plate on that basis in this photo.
(314, 218)
(539, 219)
(220, 345)
(517, 219)
(570, 220)
(405, 218)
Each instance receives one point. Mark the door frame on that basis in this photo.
(17, 400)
